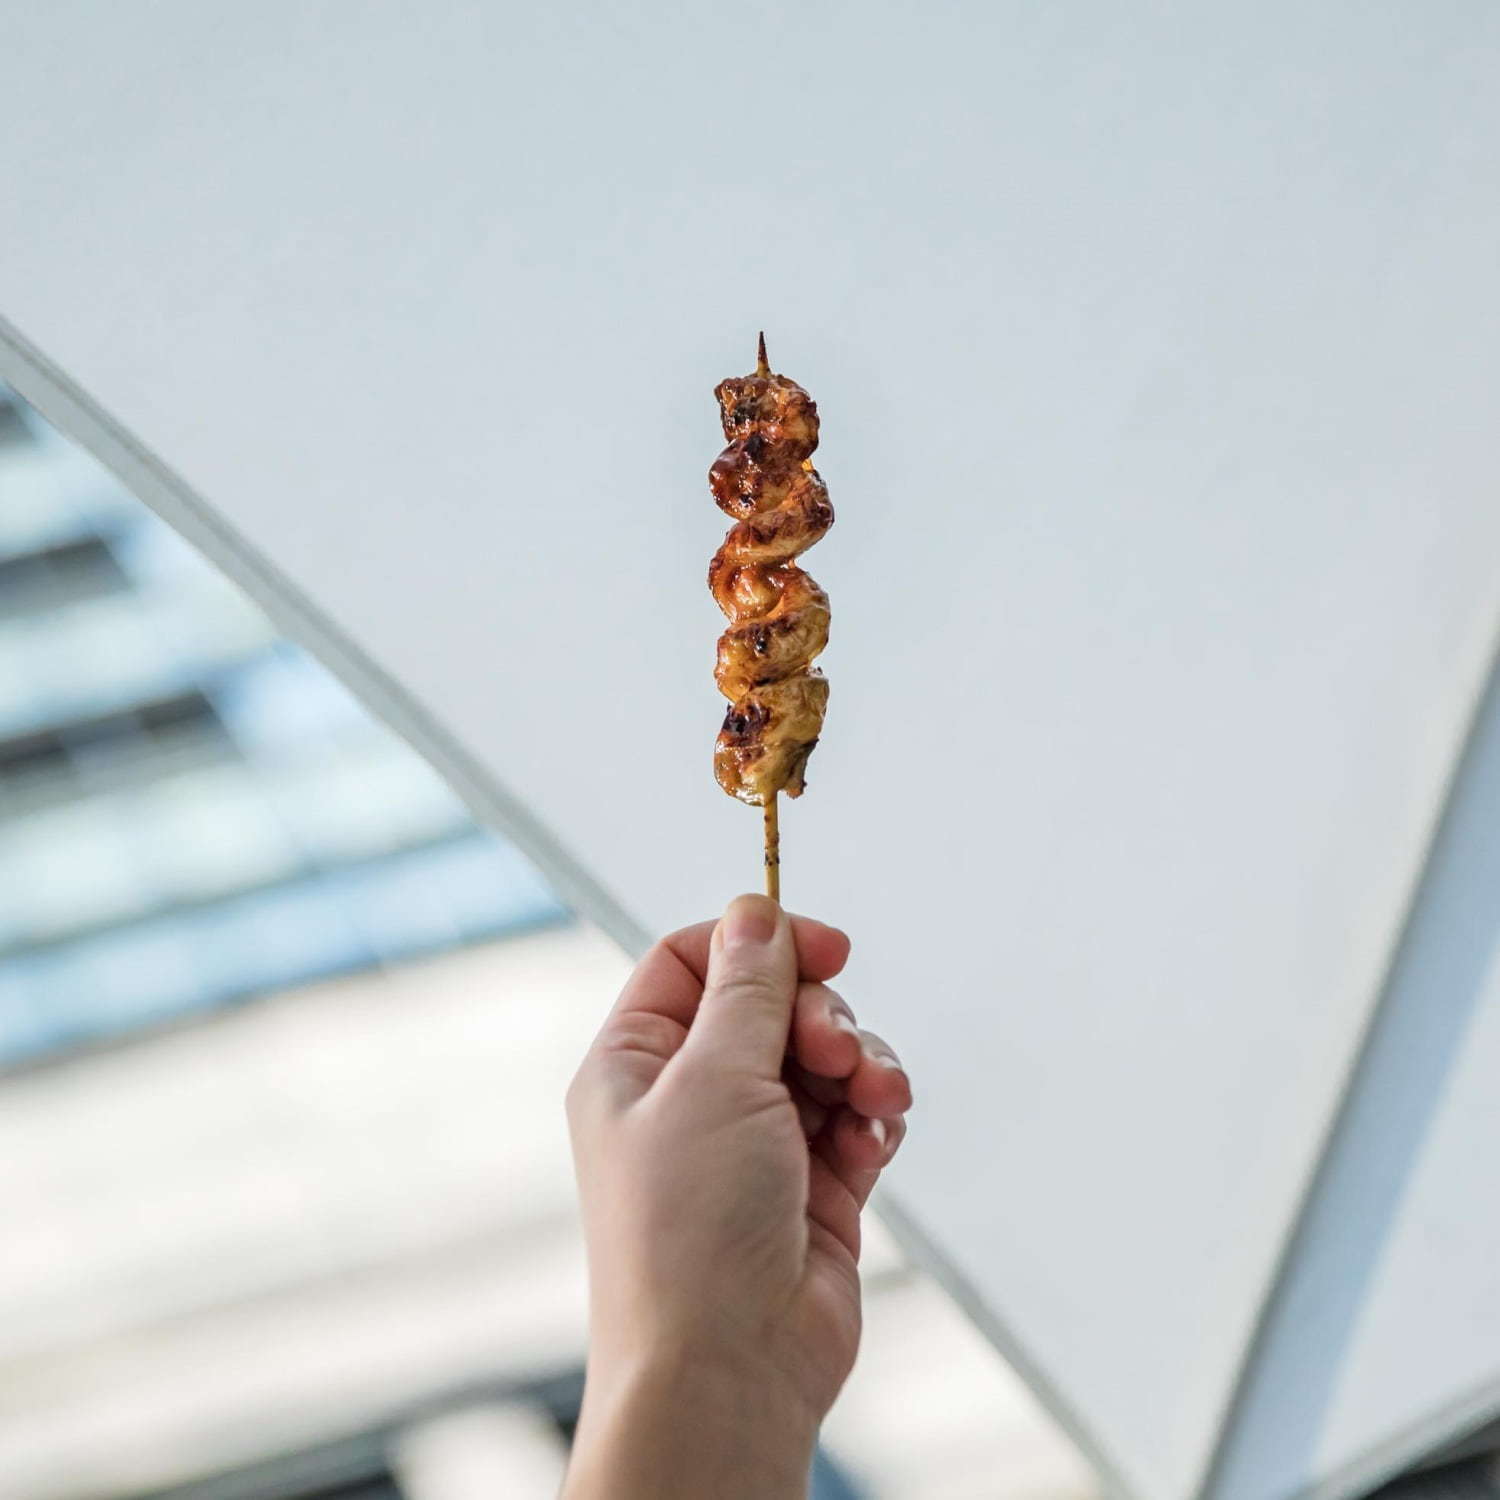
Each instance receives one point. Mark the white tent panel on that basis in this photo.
(1381, 1339)
(1156, 348)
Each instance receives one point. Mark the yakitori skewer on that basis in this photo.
(778, 617)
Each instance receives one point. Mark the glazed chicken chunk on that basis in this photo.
(778, 617)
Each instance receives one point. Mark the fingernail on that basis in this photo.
(876, 1130)
(884, 1058)
(842, 1020)
(749, 919)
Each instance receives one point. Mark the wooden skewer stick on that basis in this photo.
(773, 827)
(773, 850)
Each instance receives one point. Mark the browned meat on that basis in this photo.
(778, 617)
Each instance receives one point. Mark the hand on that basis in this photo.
(728, 1124)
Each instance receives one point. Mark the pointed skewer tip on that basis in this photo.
(761, 367)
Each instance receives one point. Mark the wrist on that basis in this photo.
(676, 1423)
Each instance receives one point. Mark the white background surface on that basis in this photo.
(1156, 347)
(1382, 1336)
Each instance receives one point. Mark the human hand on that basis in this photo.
(728, 1124)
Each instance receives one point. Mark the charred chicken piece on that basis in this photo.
(778, 617)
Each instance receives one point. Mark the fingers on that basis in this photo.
(825, 1090)
(640, 1035)
(857, 1148)
(878, 1087)
(847, 1158)
(649, 1022)
(826, 1042)
(745, 1015)
(668, 981)
(825, 1039)
(831, 1207)
(851, 1096)
(812, 1113)
(850, 1085)
(663, 983)
(627, 1057)
(822, 951)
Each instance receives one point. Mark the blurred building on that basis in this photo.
(193, 812)
(285, 1201)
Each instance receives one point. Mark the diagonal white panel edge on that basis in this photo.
(27, 370)
(1381, 1340)
(1180, 330)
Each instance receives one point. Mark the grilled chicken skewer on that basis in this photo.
(778, 617)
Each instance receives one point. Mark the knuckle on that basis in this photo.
(878, 1049)
(815, 998)
(660, 949)
(641, 1031)
(748, 987)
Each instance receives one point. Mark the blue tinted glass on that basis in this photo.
(359, 856)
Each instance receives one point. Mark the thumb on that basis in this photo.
(749, 991)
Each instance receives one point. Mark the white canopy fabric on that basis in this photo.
(1156, 347)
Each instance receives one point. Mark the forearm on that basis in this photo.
(684, 1430)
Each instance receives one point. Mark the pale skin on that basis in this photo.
(728, 1124)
